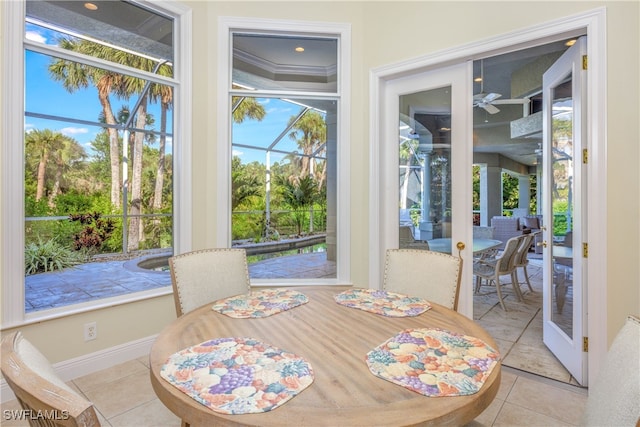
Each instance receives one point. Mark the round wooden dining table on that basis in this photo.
(335, 340)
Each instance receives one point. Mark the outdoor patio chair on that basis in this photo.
(408, 241)
(502, 265)
(46, 398)
(482, 232)
(434, 276)
(614, 395)
(208, 275)
(522, 256)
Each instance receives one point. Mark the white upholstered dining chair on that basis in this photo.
(614, 396)
(208, 275)
(39, 389)
(431, 275)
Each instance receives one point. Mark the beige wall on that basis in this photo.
(384, 33)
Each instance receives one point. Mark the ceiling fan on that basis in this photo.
(488, 101)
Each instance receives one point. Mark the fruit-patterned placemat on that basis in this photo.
(383, 302)
(262, 303)
(434, 362)
(238, 375)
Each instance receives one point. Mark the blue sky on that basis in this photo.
(262, 134)
(43, 95)
(46, 96)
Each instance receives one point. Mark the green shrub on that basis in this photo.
(50, 255)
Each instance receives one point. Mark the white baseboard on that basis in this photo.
(92, 362)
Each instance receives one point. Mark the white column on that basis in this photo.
(524, 192)
(490, 193)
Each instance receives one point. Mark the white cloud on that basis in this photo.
(36, 37)
(280, 110)
(237, 153)
(73, 131)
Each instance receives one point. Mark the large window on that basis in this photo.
(97, 148)
(285, 103)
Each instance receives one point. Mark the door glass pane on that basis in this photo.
(562, 204)
(425, 170)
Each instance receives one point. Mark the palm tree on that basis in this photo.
(246, 108)
(244, 186)
(165, 93)
(67, 157)
(299, 194)
(43, 142)
(295, 161)
(76, 76)
(312, 142)
(314, 135)
(135, 207)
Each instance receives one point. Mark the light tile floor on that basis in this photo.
(518, 331)
(123, 397)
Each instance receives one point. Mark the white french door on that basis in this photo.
(427, 150)
(564, 188)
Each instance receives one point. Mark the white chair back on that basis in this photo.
(614, 396)
(508, 256)
(208, 275)
(427, 274)
(523, 250)
(39, 389)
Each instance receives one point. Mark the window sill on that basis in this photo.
(71, 310)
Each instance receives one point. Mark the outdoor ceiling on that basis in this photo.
(136, 29)
(282, 62)
(514, 75)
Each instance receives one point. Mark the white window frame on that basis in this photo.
(342, 31)
(11, 156)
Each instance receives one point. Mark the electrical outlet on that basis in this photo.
(90, 331)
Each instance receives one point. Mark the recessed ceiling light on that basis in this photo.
(477, 79)
(91, 6)
(299, 49)
(570, 42)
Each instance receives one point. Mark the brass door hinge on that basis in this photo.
(585, 250)
(584, 62)
(585, 156)
(585, 344)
